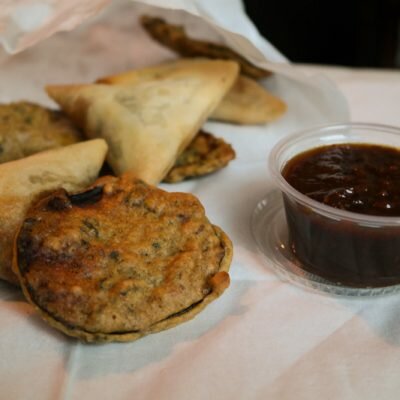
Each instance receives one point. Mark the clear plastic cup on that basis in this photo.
(344, 247)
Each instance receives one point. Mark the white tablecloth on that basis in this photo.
(263, 339)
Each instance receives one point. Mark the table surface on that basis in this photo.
(372, 94)
(264, 338)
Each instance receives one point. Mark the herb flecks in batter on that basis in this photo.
(118, 269)
(204, 155)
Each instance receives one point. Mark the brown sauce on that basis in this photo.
(355, 177)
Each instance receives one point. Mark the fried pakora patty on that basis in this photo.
(204, 155)
(27, 128)
(120, 260)
(175, 38)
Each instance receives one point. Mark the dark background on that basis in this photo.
(351, 33)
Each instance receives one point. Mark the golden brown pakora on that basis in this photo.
(204, 155)
(27, 128)
(120, 260)
(175, 38)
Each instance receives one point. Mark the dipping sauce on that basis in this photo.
(361, 178)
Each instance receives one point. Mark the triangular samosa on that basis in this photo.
(247, 101)
(147, 124)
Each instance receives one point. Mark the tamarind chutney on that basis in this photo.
(357, 177)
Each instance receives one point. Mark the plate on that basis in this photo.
(269, 229)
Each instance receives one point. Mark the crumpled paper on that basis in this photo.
(108, 43)
(23, 23)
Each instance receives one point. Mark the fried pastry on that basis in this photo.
(147, 124)
(247, 102)
(72, 167)
(120, 260)
(174, 37)
(27, 128)
(204, 155)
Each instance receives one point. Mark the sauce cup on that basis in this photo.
(344, 247)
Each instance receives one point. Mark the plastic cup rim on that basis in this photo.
(323, 209)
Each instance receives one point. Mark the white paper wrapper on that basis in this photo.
(114, 42)
(242, 343)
